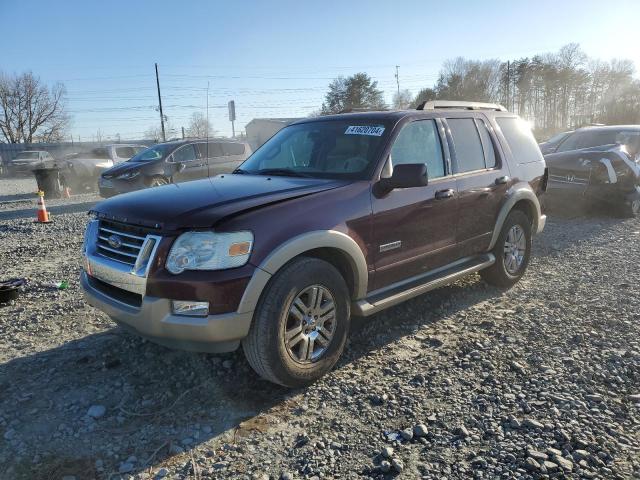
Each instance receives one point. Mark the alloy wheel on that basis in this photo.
(515, 249)
(310, 324)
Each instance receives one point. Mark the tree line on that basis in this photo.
(557, 91)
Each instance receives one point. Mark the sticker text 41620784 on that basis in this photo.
(371, 130)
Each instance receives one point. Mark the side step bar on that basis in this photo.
(397, 293)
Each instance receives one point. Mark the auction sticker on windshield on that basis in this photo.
(372, 130)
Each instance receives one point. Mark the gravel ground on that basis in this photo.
(541, 381)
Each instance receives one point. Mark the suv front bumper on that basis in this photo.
(154, 320)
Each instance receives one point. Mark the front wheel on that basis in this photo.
(301, 323)
(512, 251)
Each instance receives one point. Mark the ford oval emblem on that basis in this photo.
(114, 241)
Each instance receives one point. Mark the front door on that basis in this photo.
(414, 228)
(482, 180)
(191, 165)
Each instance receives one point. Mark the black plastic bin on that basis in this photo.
(49, 181)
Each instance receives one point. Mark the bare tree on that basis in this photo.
(29, 111)
(402, 100)
(155, 132)
(199, 126)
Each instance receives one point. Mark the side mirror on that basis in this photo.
(180, 166)
(406, 175)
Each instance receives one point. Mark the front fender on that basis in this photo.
(297, 246)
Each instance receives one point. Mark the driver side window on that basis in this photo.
(419, 142)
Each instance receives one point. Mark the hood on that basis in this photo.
(202, 203)
(123, 167)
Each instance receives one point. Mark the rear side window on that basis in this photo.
(467, 145)
(523, 146)
(419, 142)
(213, 150)
(232, 148)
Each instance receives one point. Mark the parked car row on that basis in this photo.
(173, 162)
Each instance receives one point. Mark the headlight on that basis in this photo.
(128, 175)
(209, 251)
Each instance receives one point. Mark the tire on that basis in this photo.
(630, 209)
(265, 347)
(508, 269)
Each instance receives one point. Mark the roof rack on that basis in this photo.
(455, 104)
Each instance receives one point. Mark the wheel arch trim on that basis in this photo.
(519, 193)
(297, 246)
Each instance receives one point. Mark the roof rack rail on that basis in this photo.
(437, 104)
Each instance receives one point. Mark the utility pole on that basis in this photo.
(398, 78)
(183, 133)
(164, 138)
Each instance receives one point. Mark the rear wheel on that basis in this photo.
(300, 326)
(512, 251)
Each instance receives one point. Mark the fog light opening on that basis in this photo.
(190, 308)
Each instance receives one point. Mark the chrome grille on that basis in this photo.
(120, 242)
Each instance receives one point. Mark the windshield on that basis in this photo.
(329, 149)
(152, 153)
(26, 155)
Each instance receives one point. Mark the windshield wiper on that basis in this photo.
(285, 172)
(240, 171)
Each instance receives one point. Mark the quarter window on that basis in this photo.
(419, 142)
(467, 145)
(522, 144)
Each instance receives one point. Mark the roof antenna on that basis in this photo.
(207, 130)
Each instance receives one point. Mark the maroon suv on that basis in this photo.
(333, 216)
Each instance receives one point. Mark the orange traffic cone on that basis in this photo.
(43, 215)
(67, 192)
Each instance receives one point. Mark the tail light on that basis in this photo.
(545, 180)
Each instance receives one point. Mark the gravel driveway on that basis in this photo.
(541, 381)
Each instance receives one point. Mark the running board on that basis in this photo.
(399, 292)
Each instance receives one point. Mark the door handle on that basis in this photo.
(443, 194)
(502, 180)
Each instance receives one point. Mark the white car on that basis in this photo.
(24, 162)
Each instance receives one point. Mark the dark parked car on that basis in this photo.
(173, 162)
(598, 165)
(550, 145)
(333, 216)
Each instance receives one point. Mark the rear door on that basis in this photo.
(482, 179)
(415, 228)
